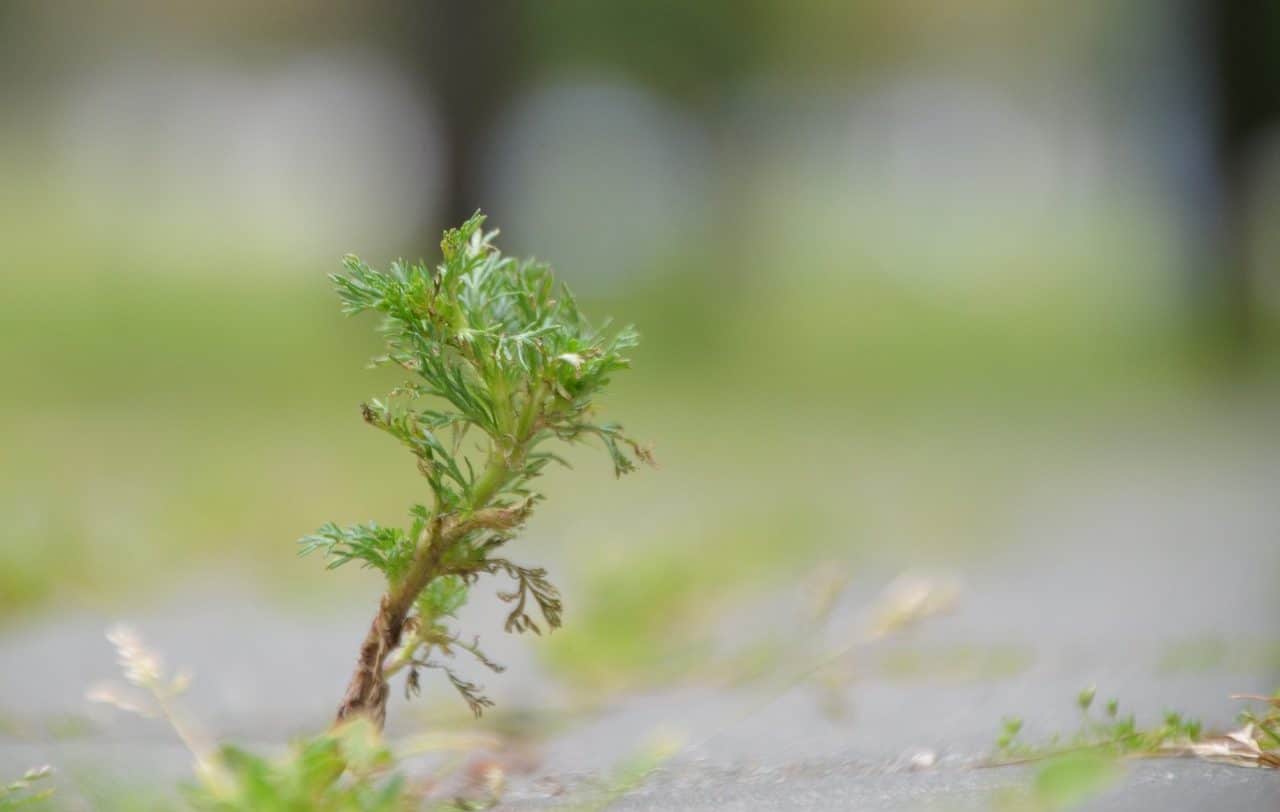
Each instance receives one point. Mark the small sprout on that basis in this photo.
(1085, 699)
(1119, 736)
(1009, 730)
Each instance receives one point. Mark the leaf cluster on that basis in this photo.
(499, 347)
(388, 549)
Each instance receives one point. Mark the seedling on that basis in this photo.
(502, 363)
(1113, 734)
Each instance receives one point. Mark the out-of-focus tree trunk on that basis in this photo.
(467, 57)
(1243, 38)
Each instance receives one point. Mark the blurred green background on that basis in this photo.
(891, 261)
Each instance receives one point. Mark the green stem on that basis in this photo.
(501, 399)
(494, 477)
(500, 460)
(367, 690)
(532, 407)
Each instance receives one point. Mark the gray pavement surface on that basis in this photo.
(1154, 581)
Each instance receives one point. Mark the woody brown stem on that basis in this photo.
(367, 690)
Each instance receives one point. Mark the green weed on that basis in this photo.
(502, 362)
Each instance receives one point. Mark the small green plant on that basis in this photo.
(1111, 734)
(498, 353)
(1075, 769)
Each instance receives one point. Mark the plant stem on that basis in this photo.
(494, 476)
(529, 415)
(367, 690)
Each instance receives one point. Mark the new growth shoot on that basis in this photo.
(502, 366)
